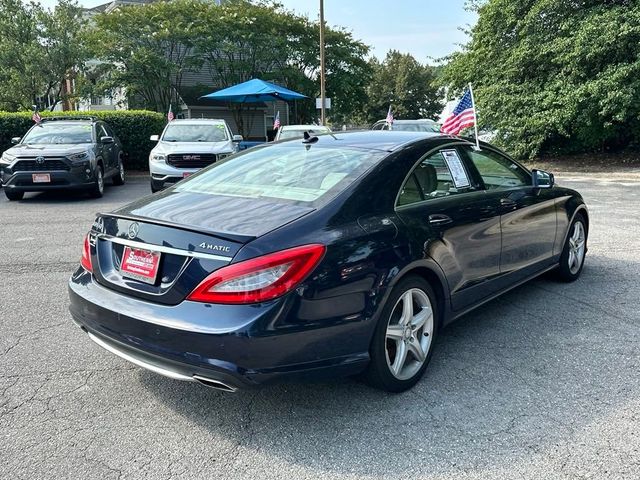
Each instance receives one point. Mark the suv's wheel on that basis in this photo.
(574, 251)
(403, 341)
(155, 187)
(119, 178)
(98, 187)
(11, 195)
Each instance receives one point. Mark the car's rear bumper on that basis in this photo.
(238, 346)
(23, 181)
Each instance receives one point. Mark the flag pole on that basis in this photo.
(475, 117)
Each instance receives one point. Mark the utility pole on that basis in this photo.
(323, 117)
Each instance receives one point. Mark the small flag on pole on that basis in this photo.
(170, 115)
(36, 116)
(463, 115)
(276, 121)
(389, 118)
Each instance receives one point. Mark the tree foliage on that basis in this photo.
(149, 48)
(39, 50)
(405, 84)
(555, 76)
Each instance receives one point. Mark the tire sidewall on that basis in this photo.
(378, 373)
(564, 271)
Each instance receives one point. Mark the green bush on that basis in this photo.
(133, 127)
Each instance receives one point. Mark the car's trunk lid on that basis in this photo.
(190, 236)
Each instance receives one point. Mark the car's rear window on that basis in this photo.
(297, 173)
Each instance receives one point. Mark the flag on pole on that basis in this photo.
(389, 118)
(276, 121)
(36, 116)
(463, 115)
(170, 115)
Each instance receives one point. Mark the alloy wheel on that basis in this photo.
(409, 334)
(100, 180)
(576, 248)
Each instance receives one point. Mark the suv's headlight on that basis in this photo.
(158, 157)
(7, 158)
(79, 157)
(222, 156)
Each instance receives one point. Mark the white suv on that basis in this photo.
(186, 146)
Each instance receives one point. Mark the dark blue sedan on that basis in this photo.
(310, 259)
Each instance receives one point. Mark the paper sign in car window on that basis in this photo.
(458, 173)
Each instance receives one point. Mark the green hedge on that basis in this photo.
(133, 127)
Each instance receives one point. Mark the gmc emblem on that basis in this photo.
(191, 157)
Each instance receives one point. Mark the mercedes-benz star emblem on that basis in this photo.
(39, 160)
(133, 230)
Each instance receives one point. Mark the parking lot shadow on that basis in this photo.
(519, 375)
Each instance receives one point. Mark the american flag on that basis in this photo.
(276, 121)
(36, 116)
(170, 115)
(389, 118)
(463, 116)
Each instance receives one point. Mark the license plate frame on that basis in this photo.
(41, 177)
(140, 264)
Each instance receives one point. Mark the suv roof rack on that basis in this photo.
(70, 117)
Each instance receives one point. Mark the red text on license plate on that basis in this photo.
(140, 264)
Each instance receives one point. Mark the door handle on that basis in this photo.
(507, 202)
(439, 219)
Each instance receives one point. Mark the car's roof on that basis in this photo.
(387, 140)
(304, 127)
(198, 121)
(404, 120)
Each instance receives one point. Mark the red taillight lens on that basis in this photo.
(259, 279)
(85, 261)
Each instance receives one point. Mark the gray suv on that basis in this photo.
(63, 153)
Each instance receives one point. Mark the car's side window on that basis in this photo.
(497, 171)
(430, 179)
(377, 126)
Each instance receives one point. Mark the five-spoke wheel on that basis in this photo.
(404, 336)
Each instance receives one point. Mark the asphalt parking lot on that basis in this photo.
(542, 383)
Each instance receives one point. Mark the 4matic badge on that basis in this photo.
(215, 248)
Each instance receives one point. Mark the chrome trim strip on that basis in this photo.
(141, 363)
(163, 248)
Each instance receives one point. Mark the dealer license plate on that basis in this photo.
(140, 264)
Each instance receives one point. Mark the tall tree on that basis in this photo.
(148, 49)
(39, 50)
(555, 75)
(405, 84)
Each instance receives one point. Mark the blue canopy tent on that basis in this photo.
(253, 91)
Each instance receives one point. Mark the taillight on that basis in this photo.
(259, 279)
(85, 261)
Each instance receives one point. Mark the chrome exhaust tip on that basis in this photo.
(216, 384)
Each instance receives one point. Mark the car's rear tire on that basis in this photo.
(98, 187)
(403, 340)
(574, 251)
(13, 196)
(119, 177)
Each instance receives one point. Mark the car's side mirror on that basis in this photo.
(106, 139)
(542, 179)
(154, 138)
(238, 138)
(15, 140)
